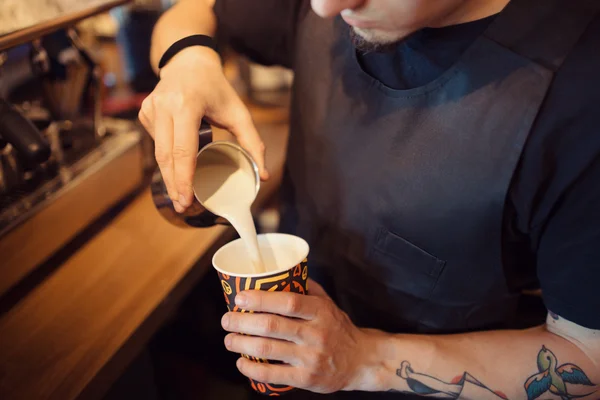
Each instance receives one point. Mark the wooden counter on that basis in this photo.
(75, 332)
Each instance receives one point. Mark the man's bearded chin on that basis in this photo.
(368, 41)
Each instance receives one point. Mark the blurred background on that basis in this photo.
(100, 296)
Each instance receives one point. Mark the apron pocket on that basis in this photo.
(403, 265)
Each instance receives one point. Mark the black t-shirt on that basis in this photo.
(552, 212)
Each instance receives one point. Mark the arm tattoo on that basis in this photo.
(564, 381)
(463, 386)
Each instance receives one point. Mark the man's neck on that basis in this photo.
(467, 11)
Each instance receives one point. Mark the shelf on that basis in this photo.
(53, 19)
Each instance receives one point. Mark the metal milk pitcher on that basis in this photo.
(197, 215)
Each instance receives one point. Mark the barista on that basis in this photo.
(444, 158)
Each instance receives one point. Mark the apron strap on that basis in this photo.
(544, 31)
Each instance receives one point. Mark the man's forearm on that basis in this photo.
(479, 366)
(187, 17)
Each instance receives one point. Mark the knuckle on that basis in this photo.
(328, 304)
(146, 107)
(292, 305)
(263, 349)
(162, 156)
(181, 152)
(314, 359)
(298, 331)
(157, 100)
(166, 99)
(270, 324)
(321, 339)
(326, 308)
(346, 318)
(144, 121)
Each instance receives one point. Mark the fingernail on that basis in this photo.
(241, 300)
(183, 200)
(227, 341)
(225, 321)
(238, 363)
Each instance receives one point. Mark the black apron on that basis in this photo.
(401, 193)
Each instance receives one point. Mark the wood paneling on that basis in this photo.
(90, 195)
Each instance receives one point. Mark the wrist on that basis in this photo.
(374, 371)
(194, 56)
(382, 355)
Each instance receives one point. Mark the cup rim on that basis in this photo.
(264, 274)
(241, 150)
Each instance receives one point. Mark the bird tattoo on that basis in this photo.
(554, 378)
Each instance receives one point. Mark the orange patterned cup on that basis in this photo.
(285, 258)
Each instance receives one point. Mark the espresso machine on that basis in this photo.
(62, 163)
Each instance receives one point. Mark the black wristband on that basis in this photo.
(194, 40)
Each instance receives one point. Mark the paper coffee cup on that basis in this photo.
(285, 257)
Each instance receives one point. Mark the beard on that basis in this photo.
(373, 44)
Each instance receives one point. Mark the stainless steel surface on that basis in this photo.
(95, 81)
(123, 136)
(24, 136)
(41, 222)
(195, 216)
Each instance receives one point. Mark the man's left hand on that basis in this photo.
(322, 350)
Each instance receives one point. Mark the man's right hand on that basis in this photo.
(192, 86)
